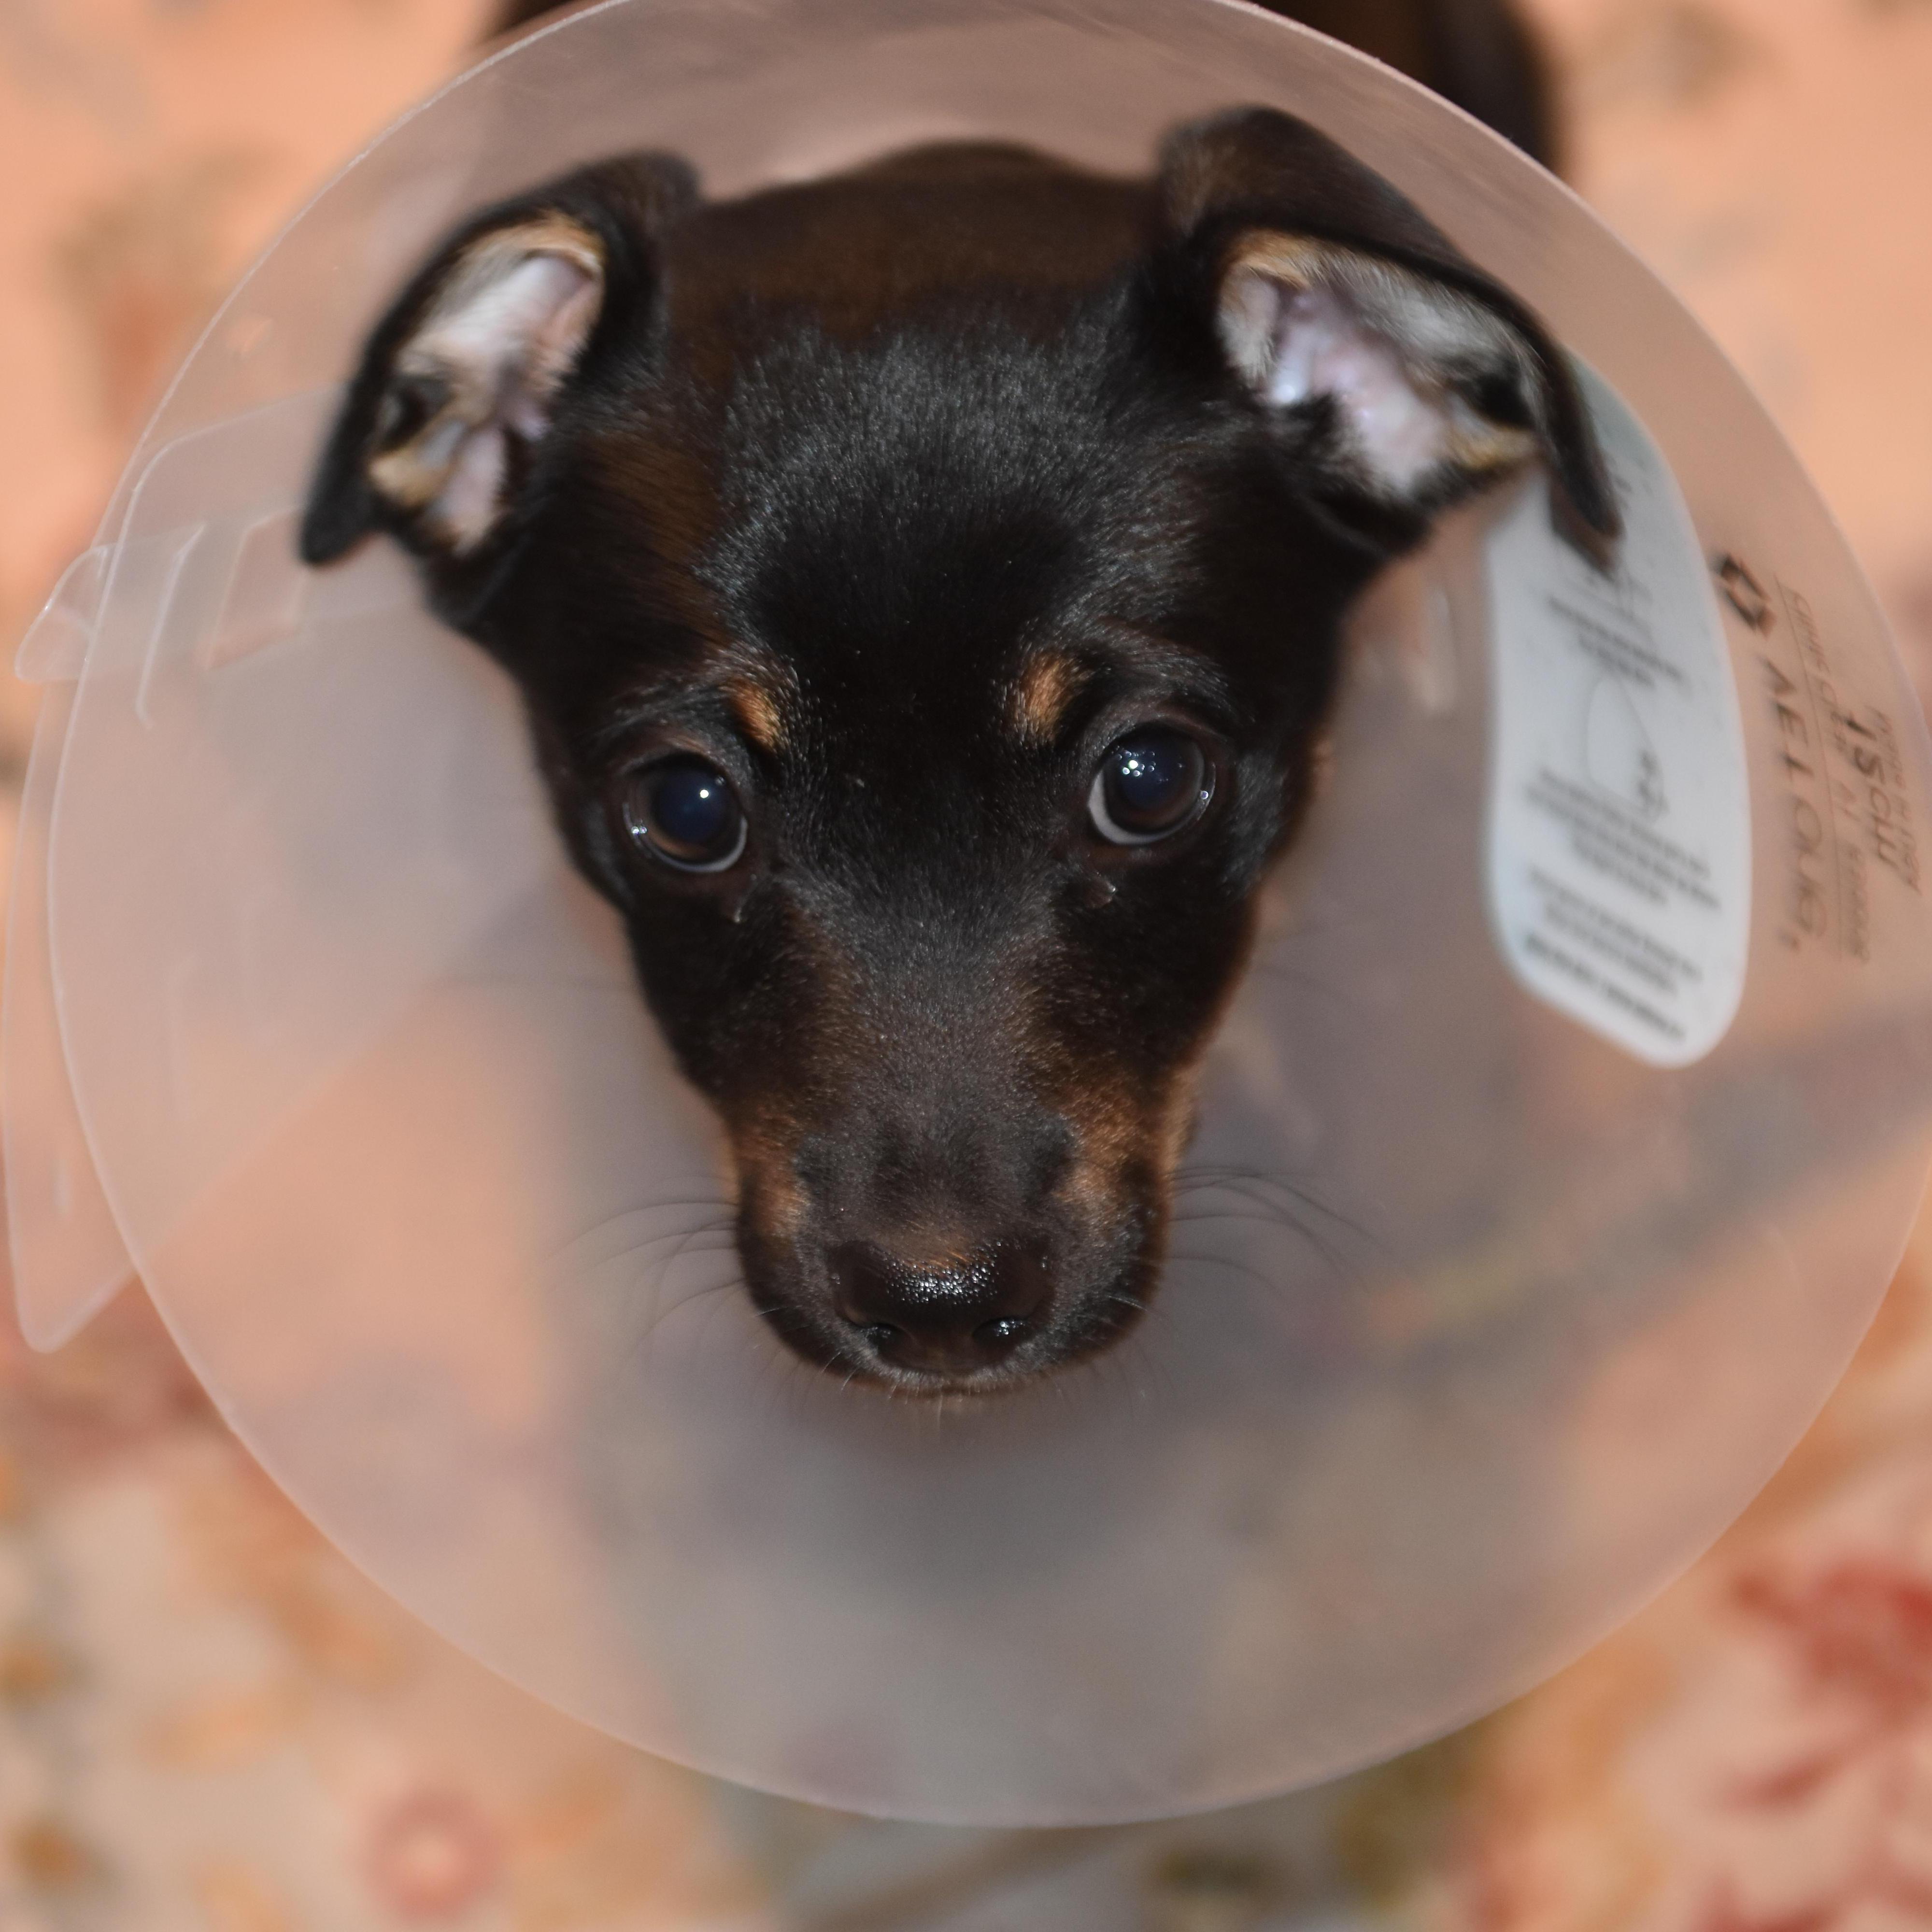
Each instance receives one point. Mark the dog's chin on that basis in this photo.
(1093, 1322)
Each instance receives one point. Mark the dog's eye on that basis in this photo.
(1151, 783)
(685, 811)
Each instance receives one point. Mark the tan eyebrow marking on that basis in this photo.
(1048, 683)
(756, 708)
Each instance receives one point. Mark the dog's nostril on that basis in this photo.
(951, 1317)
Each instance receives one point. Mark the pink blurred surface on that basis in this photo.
(207, 1721)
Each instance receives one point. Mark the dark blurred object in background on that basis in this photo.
(1478, 53)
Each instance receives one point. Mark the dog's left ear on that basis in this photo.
(1407, 376)
(461, 382)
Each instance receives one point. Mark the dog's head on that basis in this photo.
(925, 586)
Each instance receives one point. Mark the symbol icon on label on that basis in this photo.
(1743, 592)
(1617, 754)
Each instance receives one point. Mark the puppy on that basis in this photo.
(925, 585)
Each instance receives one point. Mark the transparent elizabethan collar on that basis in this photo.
(1554, 1157)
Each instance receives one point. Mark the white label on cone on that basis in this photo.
(1619, 815)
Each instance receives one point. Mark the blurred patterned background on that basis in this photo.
(208, 1723)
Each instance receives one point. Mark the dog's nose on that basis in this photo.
(950, 1317)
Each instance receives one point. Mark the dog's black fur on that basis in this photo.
(880, 513)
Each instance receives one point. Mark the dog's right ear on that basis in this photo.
(461, 382)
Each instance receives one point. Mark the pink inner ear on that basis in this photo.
(517, 334)
(467, 503)
(504, 337)
(521, 335)
(1323, 346)
(1296, 343)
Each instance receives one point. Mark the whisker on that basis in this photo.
(659, 1314)
(1269, 1286)
(556, 1265)
(1261, 1188)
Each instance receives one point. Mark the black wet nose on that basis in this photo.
(948, 1318)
